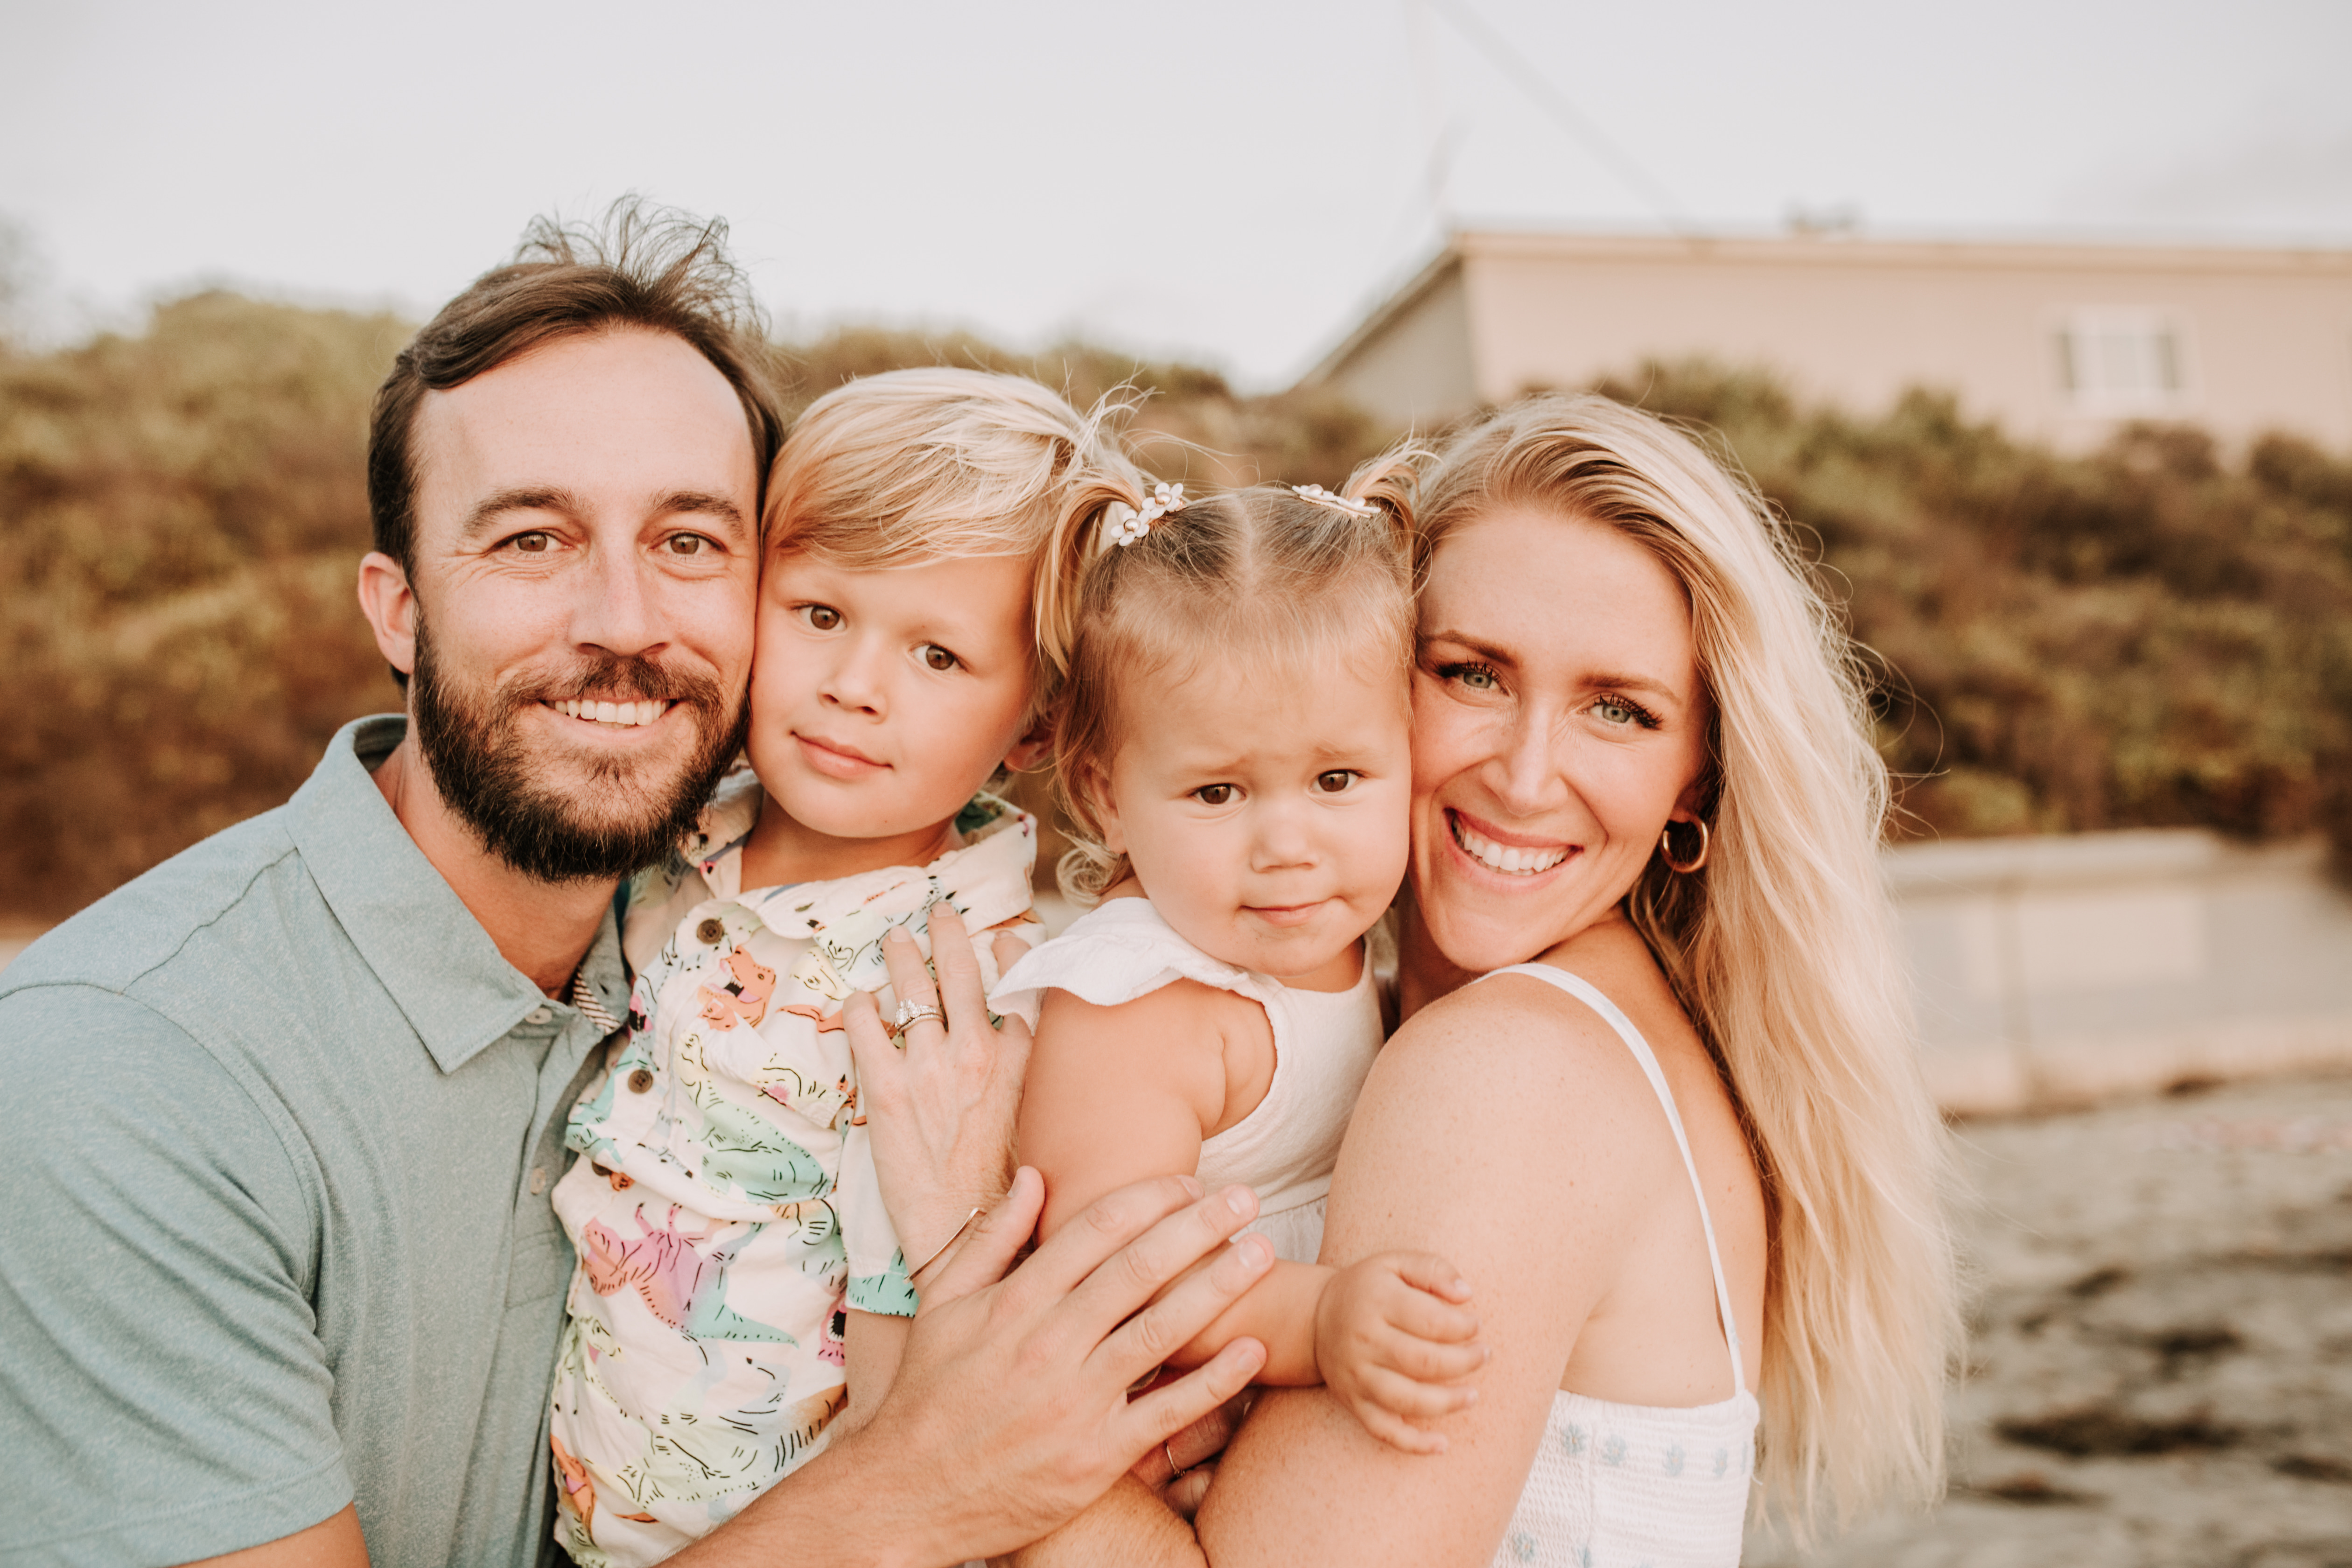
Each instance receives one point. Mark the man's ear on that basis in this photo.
(1031, 748)
(390, 605)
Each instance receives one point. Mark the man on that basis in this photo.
(281, 1280)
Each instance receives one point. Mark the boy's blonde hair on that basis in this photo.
(1783, 949)
(941, 464)
(1262, 574)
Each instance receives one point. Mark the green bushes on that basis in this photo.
(2149, 635)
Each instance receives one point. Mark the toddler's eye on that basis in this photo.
(1214, 794)
(821, 617)
(1336, 782)
(936, 657)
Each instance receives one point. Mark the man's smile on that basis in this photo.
(620, 715)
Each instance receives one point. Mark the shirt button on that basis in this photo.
(539, 1181)
(711, 931)
(641, 1080)
(539, 1015)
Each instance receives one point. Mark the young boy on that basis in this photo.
(739, 1281)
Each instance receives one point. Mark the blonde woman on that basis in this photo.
(1675, 1137)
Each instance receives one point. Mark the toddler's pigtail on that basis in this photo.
(1390, 481)
(1095, 487)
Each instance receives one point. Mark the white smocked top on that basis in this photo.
(1324, 1043)
(1639, 1486)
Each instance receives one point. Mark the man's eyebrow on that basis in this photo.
(522, 498)
(702, 501)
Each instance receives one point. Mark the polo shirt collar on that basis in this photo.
(443, 971)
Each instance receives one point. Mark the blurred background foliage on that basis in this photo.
(2156, 634)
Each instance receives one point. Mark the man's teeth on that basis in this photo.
(621, 713)
(1507, 858)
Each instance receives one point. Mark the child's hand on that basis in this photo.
(1393, 1339)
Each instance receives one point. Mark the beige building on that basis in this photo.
(2059, 342)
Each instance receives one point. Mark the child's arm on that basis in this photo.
(872, 1345)
(1117, 1094)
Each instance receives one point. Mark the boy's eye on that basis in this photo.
(1214, 794)
(1336, 782)
(936, 657)
(821, 617)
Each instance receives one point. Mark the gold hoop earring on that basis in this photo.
(1667, 848)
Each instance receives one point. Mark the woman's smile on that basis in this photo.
(1510, 855)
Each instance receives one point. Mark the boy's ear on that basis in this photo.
(1031, 748)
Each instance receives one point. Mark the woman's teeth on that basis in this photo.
(1509, 860)
(624, 713)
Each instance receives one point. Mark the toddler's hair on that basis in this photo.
(915, 465)
(1263, 575)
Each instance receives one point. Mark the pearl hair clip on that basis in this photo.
(1322, 497)
(1124, 526)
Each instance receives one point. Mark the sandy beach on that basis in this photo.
(2160, 1356)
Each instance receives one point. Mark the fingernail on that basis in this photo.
(1240, 1200)
(1191, 1184)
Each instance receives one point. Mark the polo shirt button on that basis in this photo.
(539, 1015)
(712, 932)
(539, 1181)
(641, 1080)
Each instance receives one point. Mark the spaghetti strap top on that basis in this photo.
(1656, 1484)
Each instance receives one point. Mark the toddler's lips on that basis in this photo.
(833, 759)
(1285, 914)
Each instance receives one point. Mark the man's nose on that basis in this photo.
(617, 611)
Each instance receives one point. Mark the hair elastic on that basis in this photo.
(1322, 497)
(1123, 525)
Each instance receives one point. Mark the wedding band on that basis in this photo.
(1169, 1454)
(911, 1014)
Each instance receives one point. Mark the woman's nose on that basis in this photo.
(1526, 772)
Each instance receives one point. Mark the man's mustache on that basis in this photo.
(618, 677)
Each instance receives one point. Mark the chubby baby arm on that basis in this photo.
(1396, 1342)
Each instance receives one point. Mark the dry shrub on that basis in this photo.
(2157, 633)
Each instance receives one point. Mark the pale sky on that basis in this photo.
(1231, 180)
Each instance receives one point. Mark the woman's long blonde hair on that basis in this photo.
(1782, 950)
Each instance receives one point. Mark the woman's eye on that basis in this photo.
(936, 657)
(1614, 712)
(1214, 794)
(1476, 677)
(533, 543)
(1336, 782)
(821, 617)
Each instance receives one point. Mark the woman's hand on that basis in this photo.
(940, 1099)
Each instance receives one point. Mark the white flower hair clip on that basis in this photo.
(1124, 526)
(1322, 497)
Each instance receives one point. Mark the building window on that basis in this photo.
(2123, 360)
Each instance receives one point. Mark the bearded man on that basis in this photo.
(280, 1280)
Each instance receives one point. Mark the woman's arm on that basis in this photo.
(1491, 1131)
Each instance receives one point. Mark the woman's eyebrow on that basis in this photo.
(1486, 650)
(1633, 683)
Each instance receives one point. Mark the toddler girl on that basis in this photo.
(1233, 750)
(739, 1280)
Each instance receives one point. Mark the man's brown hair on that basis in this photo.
(640, 265)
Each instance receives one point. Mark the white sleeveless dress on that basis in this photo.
(1639, 1486)
(1324, 1043)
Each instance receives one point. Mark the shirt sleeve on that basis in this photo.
(164, 1395)
(877, 1269)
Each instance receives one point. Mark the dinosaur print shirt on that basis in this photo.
(724, 1208)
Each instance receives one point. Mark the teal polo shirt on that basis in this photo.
(280, 1126)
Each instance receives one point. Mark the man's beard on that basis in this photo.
(480, 764)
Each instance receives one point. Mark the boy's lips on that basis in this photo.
(836, 759)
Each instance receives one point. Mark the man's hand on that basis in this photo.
(1010, 1412)
(1181, 1467)
(1394, 1338)
(939, 1103)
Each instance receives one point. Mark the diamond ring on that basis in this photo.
(911, 1014)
